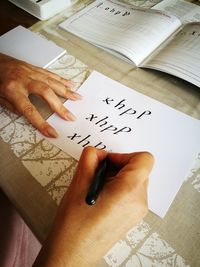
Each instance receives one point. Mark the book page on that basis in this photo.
(181, 57)
(132, 33)
(114, 117)
(185, 11)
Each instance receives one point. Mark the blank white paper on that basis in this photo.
(28, 46)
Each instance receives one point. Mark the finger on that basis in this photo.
(136, 169)
(122, 160)
(29, 111)
(54, 76)
(6, 104)
(129, 187)
(58, 84)
(88, 163)
(58, 87)
(142, 162)
(43, 90)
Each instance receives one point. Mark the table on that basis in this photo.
(35, 174)
(12, 16)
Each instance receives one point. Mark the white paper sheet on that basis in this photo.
(117, 118)
(28, 46)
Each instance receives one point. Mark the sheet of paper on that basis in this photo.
(181, 57)
(184, 10)
(133, 33)
(28, 46)
(116, 118)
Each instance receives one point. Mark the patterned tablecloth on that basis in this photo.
(35, 174)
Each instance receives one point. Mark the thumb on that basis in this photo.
(88, 163)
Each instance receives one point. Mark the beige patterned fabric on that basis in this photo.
(35, 174)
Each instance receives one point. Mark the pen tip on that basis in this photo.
(90, 201)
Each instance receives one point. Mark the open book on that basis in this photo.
(147, 38)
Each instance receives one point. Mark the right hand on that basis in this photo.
(82, 234)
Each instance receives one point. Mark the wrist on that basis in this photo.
(59, 252)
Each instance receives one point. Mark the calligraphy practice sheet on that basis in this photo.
(116, 118)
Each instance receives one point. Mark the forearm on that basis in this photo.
(60, 252)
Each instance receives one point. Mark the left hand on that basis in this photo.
(19, 79)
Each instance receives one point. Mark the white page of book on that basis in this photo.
(181, 57)
(28, 46)
(185, 11)
(114, 117)
(134, 33)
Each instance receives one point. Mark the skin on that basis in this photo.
(82, 234)
(19, 79)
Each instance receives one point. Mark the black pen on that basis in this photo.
(97, 183)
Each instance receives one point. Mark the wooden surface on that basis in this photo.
(12, 16)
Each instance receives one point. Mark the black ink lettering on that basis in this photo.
(120, 105)
(108, 100)
(127, 112)
(92, 117)
(109, 128)
(85, 139)
(126, 14)
(123, 130)
(102, 120)
(146, 112)
(112, 10)
(100, 145)
(74, 136)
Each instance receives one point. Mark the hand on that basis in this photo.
(19, 79)
(82, 234)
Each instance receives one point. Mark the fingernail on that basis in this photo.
(51, 132)
(69, 116)
(70, 83)
(77, 96)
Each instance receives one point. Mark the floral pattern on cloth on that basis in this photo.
(142, 248)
